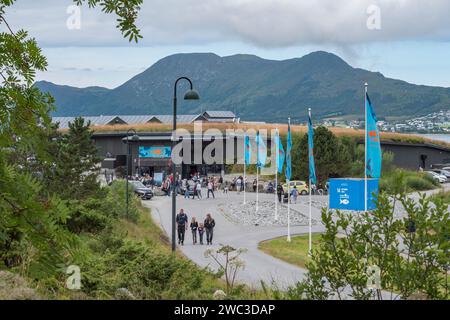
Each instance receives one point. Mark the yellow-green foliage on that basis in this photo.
(443, 196)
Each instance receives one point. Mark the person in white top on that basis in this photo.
(238, 185)
(211, 188)
(199, 189)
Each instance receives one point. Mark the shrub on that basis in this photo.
(115, 201)
(400, 180)
(418, 183)
(86, 217)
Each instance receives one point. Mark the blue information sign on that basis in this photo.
(348, 194)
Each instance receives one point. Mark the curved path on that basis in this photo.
(258, 265)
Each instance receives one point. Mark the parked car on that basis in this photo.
(442, 172)
(437, 177)
(302, 187)
(140, 190)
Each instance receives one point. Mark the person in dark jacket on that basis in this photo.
(194, 227)
(209, 228)
(182, 225)
(279, 192)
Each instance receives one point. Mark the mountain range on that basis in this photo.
(255, 89)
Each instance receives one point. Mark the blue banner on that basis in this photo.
(348, 194)
(247, 151)
(154, 152)
(312, 169)
(280, 156)
(261, 150)
(373, 147)
(288, 154)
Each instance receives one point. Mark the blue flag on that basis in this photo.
(312, 169)
(373, 147)
(247, 151)
(261, 151)
(288, 154)
(280, 155)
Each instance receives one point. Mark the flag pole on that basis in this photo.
(257, 189)
(289, 202)
(310, 201)
(245, 166)
(365, 147)
(257, 170)
(277, 147)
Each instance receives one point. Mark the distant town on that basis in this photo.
(437, 122)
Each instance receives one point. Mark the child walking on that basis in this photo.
(194, 227)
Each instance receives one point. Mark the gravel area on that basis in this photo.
(247, 215)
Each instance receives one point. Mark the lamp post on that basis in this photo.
(135, 137)
(189, 95)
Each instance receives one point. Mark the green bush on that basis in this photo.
(115, 201)
(443, 196)
(418, 183)
(87, 216)
(400, 180)
(430, 179)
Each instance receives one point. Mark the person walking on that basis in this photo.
(186, 191)
(201, 231)
(238, 185)
(243, 183)
(225, 187)
(182, 221)
(194, 193)
(211, 189)
(209, 227)
(194, 227)
(254, 185)
(220, 183)
(279, 192)
(233, 184)
(199, 189)
(294, 194)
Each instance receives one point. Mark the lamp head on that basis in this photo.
(191, 95)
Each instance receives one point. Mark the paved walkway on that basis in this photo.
(259, 266)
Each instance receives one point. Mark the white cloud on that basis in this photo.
(265, 23)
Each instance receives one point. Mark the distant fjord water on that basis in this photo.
(438, 137)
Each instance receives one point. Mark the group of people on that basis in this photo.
(238, 184)
(207, 227)
(196, 183)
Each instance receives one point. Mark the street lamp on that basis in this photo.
(189, 95)
(134, 138)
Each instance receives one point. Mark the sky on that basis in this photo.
(403, 39)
